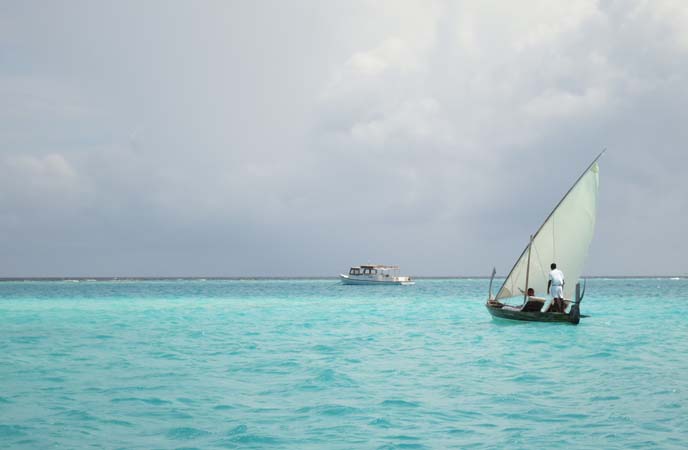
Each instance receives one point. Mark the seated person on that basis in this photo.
(532, 303)
(531, 292)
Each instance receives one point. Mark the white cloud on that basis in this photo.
(36, 190)
(392, 53)
(419, 120)
(563, 104)
(47, 174)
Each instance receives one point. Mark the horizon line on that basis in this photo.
(284, 277)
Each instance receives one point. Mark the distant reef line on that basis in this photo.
(267, 278)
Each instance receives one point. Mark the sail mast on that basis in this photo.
(525, 292)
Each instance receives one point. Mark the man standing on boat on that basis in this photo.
(555, 286)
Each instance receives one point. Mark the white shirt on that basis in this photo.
(556, 276)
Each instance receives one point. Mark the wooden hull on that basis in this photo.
(530, 316)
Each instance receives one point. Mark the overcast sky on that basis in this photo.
(236, 138)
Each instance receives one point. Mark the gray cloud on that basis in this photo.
(297, 139)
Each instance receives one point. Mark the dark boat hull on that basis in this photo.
(530, 316)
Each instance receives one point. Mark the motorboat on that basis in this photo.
(375, 274)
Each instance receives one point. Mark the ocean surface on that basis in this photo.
(312, 364)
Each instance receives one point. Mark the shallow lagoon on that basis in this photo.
(311, 364)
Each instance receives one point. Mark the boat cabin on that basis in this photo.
(372, 270)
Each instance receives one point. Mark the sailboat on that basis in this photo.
(563, 238)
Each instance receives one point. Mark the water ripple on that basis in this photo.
(310, 364)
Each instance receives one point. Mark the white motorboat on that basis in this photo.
(375, 274)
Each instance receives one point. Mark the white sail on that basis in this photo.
(564, 239)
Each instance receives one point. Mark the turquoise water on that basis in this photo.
(310, 364)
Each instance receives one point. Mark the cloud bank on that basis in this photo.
(230, 139)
